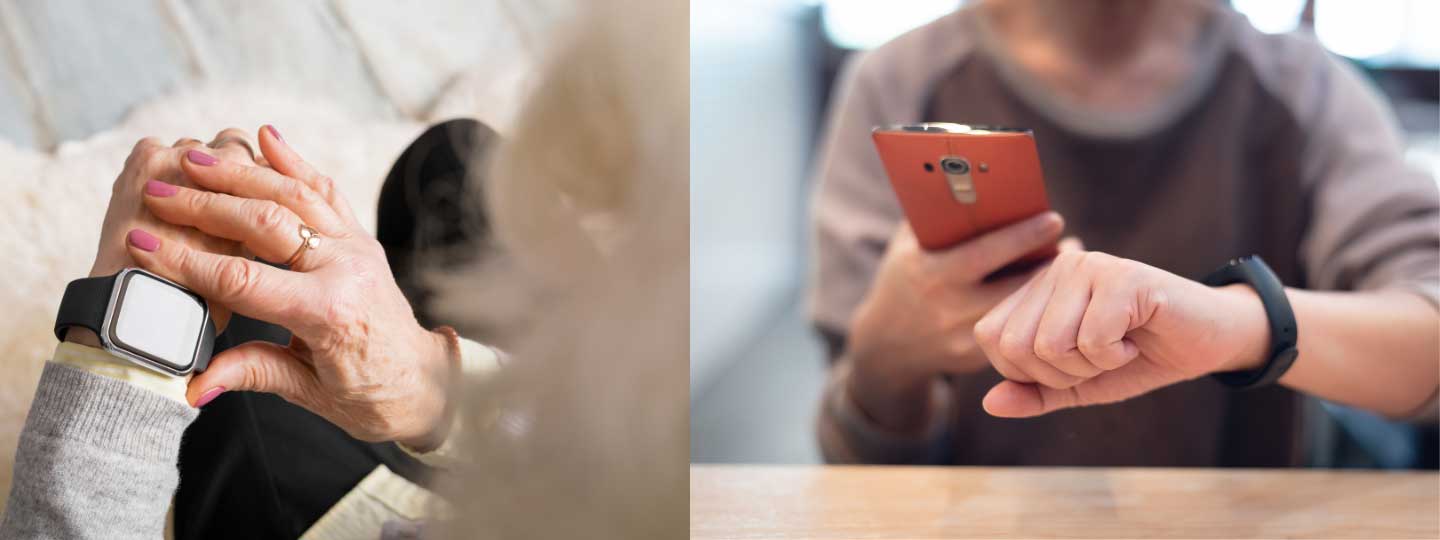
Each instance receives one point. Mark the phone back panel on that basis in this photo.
(1005, 173)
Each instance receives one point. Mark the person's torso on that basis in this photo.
(1221, 181)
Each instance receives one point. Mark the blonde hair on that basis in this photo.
(584, 433)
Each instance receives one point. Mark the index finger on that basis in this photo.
(254, 182)
(246, 287)
(983, 255)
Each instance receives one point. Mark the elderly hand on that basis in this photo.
(1094, 328)
(151, 160)
(358, 357)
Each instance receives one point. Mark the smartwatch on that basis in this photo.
(142, 317)
(1253, 271)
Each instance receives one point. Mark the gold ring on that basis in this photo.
(309, 239)
(217, 143)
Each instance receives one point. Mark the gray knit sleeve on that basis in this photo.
(97, 459)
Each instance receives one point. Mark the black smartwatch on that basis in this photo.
(143, 318)
(1253, 271)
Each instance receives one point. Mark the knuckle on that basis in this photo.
(230, 132)
(144, 147)
(325, 186)
(1073, 260)
(1050, 347)
(987, 331)
(1090, 346)
(258, 376)
(154, 157)
(1013, 346)
(300, 193)
(144, 142)
(200, 202)
(270, 216)
(249, 175)
(234, 278)
(1157, 300)
(1105, 261)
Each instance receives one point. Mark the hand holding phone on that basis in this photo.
(957, 181)
(918, 318)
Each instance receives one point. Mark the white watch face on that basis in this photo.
(157, 320)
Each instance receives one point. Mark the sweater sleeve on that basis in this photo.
(97, 459)
(1376, 219)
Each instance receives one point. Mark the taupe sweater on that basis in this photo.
(1276, 148)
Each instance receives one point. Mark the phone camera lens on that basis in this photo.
(955, 165)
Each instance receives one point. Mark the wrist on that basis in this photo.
(1249, 328)
(82, 336)
(440, 365)
(107, 265)
(895, 400)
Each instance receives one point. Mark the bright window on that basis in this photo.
(865, 24)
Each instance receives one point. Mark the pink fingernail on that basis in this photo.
(200, 158)
(156, 188)
(143, 240)
(274, 133)
(209, 396)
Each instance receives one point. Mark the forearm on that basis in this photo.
(97, 458)
(1376, 350)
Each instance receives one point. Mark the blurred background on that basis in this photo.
(350, 84)
(761, 74)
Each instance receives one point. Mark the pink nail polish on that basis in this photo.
(156, 188)
(200, 158)
(143, 240)
(209, 396)
(274, 133)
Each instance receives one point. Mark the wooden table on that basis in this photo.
(782, 502)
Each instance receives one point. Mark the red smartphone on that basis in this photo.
(958, 181)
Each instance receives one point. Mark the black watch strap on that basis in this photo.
(1253, 271)
(85, 302)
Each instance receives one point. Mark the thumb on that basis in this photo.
(258, 366)
(1010, 399)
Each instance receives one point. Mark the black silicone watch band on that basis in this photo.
(1253, 271)
(84, 304)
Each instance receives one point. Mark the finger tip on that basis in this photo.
(273, 147)
(139, 239)
(1053, 218)
(197, 157)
